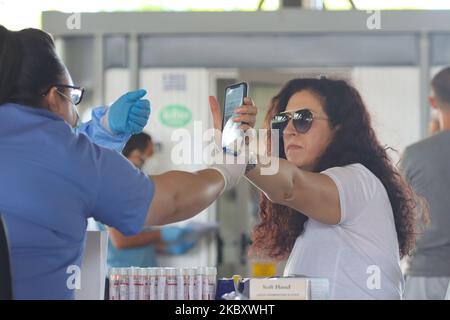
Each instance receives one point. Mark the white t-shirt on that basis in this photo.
(359, 255)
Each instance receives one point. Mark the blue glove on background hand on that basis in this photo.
(179, 248)
(130, 113)
(173, 234)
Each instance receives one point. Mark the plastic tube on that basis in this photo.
(210, 283)
(123, 284)
(171, 283)
(199, 283)
(142, 284)
(161, 281)
(133, 287)
(192, 274)
(114, 288)
(181, 284)
(153, 283)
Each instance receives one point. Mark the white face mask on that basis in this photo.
(151, 166)
(78, 122)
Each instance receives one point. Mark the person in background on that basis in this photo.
(140, 250)
(433, 126)
(426, 165)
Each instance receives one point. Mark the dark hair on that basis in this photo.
(441, 85)
(29, 66)
(354, 141)
(138, 141)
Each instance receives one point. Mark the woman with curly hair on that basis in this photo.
(337, 206)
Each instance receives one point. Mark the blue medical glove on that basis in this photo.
(173, 234)
(130, 113)
(98, 134)
(179, 248)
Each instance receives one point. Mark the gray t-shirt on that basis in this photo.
(426, 165)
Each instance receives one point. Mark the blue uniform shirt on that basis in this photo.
(142, 256)
(51, 181)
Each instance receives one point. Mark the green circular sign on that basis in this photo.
(175, 115)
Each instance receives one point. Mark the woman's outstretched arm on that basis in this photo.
(313, 194)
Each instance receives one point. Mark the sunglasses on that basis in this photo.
(75, 93)
(302, 120)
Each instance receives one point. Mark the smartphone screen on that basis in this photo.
(234, 98)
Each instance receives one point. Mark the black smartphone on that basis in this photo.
(234, 98)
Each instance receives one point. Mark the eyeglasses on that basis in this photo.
(75, 93)
(302, 120)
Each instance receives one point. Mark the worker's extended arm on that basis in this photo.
(180, 195)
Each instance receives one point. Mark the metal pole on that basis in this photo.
(99, 73)
(424, 83)
(134, 61)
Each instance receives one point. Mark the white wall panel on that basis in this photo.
(393, 99)
(116, 83)
(190, 88)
